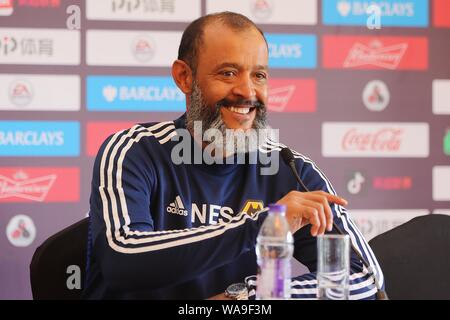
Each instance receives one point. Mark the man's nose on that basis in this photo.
(245, 88)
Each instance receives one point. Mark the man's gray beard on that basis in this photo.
(212, 119)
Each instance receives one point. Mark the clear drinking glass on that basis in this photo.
(333, 266)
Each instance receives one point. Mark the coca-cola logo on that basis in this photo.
(386, 139)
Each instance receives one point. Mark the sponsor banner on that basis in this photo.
(441, 16)
(393, 13)
(441, 183)
(358, 183)
(155, 10)
(43, 4)
(374, 222)
(6, 7)
(27, 92)
(21, 231)
(39, 184)
(269, 11)
(391, 183)
(132, 48)
(363, 52)
(292, 95)
(442, 211)
(375, 139)
(97, 132)
(441, 96)
(39, 46)
(109, 93)
(39, 138)
(292, 50)
(446, 142)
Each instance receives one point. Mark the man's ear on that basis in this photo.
(182, 74)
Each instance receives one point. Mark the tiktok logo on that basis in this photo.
(355, 184)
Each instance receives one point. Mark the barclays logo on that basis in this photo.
(393, 13)
(133, 94)
(292, 50)
(39, 138)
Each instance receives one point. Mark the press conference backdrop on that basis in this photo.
(369, 102)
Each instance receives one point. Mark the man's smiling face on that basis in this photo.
(232, 74)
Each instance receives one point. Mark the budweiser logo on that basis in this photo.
(386, 139)
(375, 54)
(279, 97)
(21, 186)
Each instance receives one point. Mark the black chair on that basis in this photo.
(415, 258)
(50, 269)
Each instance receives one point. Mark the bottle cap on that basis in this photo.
(277, 208)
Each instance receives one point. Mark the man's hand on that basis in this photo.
(313, 207)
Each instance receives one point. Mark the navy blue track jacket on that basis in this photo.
(164, 231)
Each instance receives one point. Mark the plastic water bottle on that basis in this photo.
(274, 249)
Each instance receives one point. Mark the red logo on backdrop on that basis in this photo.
(21, 231)
(39, 184)
(292, 95)
(375, 54)
(39, 4)
(262, 9)
(441, 16)
(387, 139)
(97, 132)
(392, 53)
(6, 7)
(392, 183)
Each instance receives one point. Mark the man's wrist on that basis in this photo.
(237, 291)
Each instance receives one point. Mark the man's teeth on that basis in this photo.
(240, 110)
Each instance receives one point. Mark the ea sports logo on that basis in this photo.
(262, 9)
(21, 93)
(143, 48)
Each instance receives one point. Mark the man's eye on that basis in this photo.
(228, 73)
(261, 75)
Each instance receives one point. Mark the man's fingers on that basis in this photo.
(315, 208)
(311, 214)
(330, 197)
(327, 209)
(319, 206)
(334, 199)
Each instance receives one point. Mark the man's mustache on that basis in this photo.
(240, 102)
